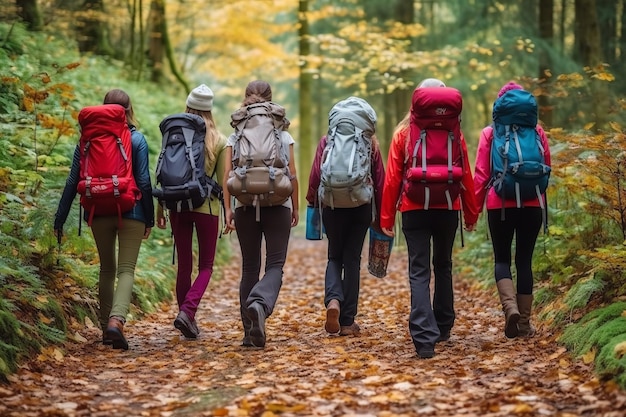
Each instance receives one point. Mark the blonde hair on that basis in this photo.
(212, 134)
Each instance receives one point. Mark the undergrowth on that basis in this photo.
(48, 291)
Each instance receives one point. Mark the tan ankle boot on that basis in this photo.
(506, 290)
(525, 303)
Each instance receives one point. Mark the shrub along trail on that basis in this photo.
(304, 372)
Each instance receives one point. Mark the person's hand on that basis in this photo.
(388, 232)
(294, 218)
(230, 222)
(146, 233)
(161, 222)
(470, 227)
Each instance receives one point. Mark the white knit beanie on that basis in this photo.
(431, 82)
(200, 98)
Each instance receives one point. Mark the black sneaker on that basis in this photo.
(426, 352)
(256, 313)
(444, 336)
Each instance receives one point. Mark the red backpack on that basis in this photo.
(434, 162)
(106, 183)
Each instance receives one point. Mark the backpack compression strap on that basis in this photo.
(188, 134)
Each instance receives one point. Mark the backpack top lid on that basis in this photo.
(240, 116)
(110, 119)
(518, 107)
(355, 111)
(436, 108)
(187, 120)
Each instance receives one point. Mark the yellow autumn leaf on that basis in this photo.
(616, 127)
(589, 356)
(589, 125)
(620, 350)
(523, 408)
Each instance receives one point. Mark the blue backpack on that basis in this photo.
(518, 167)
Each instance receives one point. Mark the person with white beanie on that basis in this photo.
(205, 219)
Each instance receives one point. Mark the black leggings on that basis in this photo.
(525, 224)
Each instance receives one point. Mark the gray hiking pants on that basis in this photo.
(275, 227)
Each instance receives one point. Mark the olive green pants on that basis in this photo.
(115, 299)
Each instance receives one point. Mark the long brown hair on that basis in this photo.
(117, 96)
(257, 91)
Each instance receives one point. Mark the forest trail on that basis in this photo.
(304, 372)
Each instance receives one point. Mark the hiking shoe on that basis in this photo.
(444, 336)
(185, 325)
(351, 330)
(256, 313)
(332, 317)
(105, 340)
(115, 333)
(426, 352)
(246, 341)
(194, 327)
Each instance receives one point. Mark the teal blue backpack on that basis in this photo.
(518, 168)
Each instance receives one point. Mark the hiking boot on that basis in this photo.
(256, 313)
(525, 303)
(194, 327)
(246, 341)
(444, 335)
(426, 352)
(115, 333)
(351, 330)
(332, 317)
(506, 290)
(185, 325)
(105, 340)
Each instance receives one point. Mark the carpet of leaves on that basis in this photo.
(303, 371)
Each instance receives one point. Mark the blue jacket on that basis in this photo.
(143, 210)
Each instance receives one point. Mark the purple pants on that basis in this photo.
(189, 294)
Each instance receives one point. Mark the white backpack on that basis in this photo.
(345, 174)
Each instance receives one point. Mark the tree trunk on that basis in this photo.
(156, 51)
(306, 153)
(589, 54)
(29, 11)
(92, 30)
(546, 33)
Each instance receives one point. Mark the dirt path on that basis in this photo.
(304, 372)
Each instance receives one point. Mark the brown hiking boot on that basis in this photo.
(115, 333)
(351, 330)
(525, 303)
(506, 290)
(332, 317)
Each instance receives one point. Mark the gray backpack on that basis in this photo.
(345, 174)
(181, 181)
(260, 175)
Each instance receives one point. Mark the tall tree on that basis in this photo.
(156, 50)
(29, 11)
(92, 28)
(589, 54)
(305, 157)
(546, 33)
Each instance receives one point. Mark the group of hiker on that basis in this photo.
(250, 179)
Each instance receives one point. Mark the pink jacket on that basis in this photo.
(482, 171)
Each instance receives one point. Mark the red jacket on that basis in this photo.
(378, 175)
(394, 198)
(483, 171)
